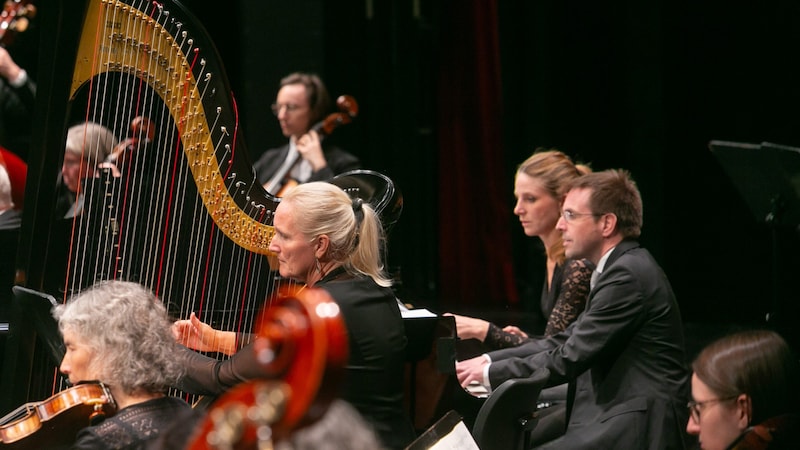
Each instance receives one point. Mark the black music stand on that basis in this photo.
(31, 321)
(767, 177)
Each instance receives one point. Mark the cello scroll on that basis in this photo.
(302, 348)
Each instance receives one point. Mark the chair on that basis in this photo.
(508, 416)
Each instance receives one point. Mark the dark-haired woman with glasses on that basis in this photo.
(745, 393)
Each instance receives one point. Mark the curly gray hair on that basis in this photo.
(129, 332)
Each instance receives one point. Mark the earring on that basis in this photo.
(317, 265)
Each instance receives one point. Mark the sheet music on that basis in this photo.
(458, 439)
(416, 313)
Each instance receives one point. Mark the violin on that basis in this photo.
(57, 420)
(348, 110)
(302, 347)
(14, 19)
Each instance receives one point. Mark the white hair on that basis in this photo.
(91, 141)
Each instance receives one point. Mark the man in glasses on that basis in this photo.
(624, 357)
(302, 102)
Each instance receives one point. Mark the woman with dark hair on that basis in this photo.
(745, 393)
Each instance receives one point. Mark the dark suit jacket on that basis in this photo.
(625, 355)
(339, 161)
(16, 116)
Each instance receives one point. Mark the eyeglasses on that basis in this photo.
(694, 407)
(290, 107)
(570, 216)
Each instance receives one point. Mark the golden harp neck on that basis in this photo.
(145, 41)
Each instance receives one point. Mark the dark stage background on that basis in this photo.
(453, 94)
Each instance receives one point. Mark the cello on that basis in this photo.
(348, 110)
(302, 347)
(56, 421)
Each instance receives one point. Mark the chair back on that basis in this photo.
(508, 415)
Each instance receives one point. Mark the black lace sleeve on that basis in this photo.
(497, 339)
(572, 296)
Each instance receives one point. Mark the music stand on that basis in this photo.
(767, 177)
(31, 321)
(38, 305)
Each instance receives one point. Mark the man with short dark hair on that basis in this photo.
(302, 102)
(625, 354)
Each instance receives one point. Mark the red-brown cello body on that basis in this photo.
(302, 343)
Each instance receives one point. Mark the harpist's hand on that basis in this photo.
(202, 337)
(471, 370)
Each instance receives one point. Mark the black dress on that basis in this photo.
(374, 374)
(561, 304)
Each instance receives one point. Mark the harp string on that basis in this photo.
(171, 221)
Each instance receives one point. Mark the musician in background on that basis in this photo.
(302, 102)
(745, 394)
(10, 218)
(88, 145)
(10, 221)
(118, 333)
(327, 240)
(17, 100)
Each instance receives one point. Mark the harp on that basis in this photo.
(187, 217)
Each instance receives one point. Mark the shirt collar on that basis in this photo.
(601, 265)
